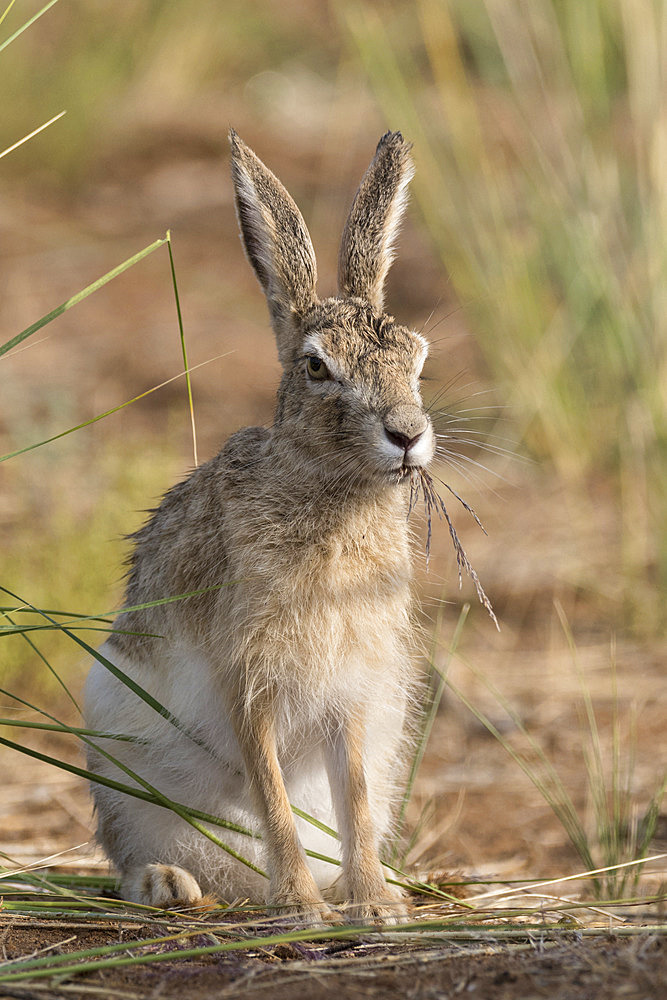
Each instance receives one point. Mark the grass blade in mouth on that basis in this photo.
(422, 482)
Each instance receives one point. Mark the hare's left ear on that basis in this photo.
(367, 246)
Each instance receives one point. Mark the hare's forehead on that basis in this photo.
(352, 349)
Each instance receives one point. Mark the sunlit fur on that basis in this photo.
(293, 670)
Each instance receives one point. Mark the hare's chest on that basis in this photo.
(312, 612)
(319, 637)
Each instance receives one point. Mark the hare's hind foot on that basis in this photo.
(164, 886)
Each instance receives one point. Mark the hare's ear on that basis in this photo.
(276, 242)
(367, 246)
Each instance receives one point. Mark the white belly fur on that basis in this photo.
(136, 833)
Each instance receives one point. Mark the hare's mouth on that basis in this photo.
(401, 472)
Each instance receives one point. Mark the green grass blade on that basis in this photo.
(91, 420)
(107, 413)
(75, 299)
(119, 786)
(74, 616)
(186, 367)
(429, 714)
(55, 727)
(54, 673)
(104, 616)
(145, 695)
(168, 803)
(121, 676)
(24, 27)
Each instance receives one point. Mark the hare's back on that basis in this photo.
(183, 547)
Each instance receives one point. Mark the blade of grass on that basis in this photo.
(19, 31)
(590, 873)
(121, 676)
(107, 413)
(186, 367)
(85, 881)
(41, 883)
(142, 693)
(105, 616)
(7, 10)
(54, 727)
(54, 673)
(168, 803)
(10, 149)
(74, 615)
(82, 734)
(75, 299)
(119, 786)
(429, 714)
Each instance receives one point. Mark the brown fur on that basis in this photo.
(297, 662)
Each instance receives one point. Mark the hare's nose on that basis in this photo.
(404, 425)
(402, 440)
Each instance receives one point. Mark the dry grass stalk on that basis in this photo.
(422, 482)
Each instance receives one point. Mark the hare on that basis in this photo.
(291, 668)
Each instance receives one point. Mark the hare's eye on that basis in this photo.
(316, 369)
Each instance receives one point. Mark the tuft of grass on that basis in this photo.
(614, 846)
(622, 830)
(540, 134)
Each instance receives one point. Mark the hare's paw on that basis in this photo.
(386, 905)
(382, 914)
(306, 912)
(165, 886)
(298, 900)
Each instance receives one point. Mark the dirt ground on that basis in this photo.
(632, 969)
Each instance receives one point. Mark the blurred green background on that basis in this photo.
(533, 257)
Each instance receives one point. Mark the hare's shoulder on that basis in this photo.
(192, 513)
(183, 546)
(243, 450)
(203, 491)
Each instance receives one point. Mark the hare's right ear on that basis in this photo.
(367, 246)
(276, 242)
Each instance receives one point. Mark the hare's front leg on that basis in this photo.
(292, 888)
(372, 899)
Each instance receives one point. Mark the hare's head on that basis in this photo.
(349, 400)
